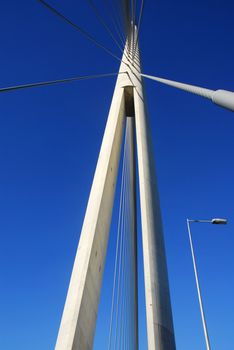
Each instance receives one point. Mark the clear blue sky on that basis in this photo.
(49, 142)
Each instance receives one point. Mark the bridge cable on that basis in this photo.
(118, 32)
(117, 253)
(139, 27)
(108, 30)
(81, 30)
(122, 333)
(119, 11)
(125, 289)
(120, 266)
(58, 81)
(116, 20)
(133, 23)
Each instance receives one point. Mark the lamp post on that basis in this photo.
(216, 221)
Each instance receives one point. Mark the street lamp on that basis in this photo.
(216, 221)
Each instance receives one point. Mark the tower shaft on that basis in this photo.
(160, 330)
(80, 311)
(81, 307)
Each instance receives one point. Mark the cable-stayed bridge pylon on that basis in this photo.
(127, 127)
(81, 307)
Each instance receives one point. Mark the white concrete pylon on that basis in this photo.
(222, 98)
(79, 317)
(160, 330)
(80, 311)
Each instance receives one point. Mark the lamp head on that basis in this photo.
(218, 221)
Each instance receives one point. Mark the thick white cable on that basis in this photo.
(220, 97)
(186, 87)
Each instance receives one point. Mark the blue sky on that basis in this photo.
(49, 142)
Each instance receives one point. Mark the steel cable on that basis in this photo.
(81, 30)
(102, 21)
(116, 20)
(139, 27)
(121, 251)
(122, 333)
(58, 81)
(116, 255)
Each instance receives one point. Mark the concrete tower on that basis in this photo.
(80, 312)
